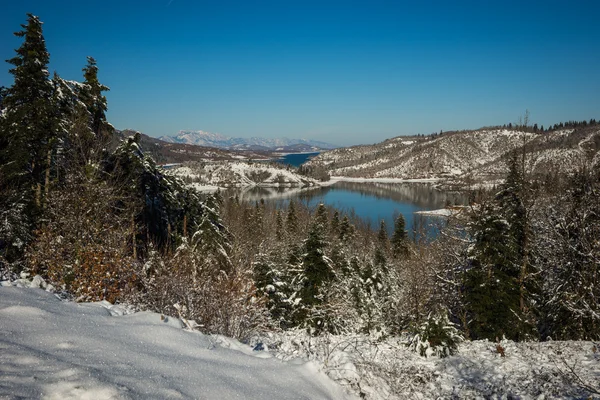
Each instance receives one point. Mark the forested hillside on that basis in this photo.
(470, 156)
(519, 264)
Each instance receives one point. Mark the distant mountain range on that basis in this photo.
(208, 139)
(165, 152)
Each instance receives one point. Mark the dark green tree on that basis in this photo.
(279, 232)
(27, 129)
(400, 238)
(91, 95)
(29, 125)
(317, 268)
(292, 219)
(346, 230)
(335, 224)
(498, 289)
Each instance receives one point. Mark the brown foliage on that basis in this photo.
(84, 244)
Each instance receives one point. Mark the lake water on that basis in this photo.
(372, 202)
(296, 159)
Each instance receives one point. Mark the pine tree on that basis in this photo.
(335, 224)
(91, 95)
(30, 119)
(316, 268)
(346, 230)
(498, 291)
(292, 219)
(571, 252)
(400, 238)
(278, 226)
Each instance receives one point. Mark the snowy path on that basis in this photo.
(61, 350)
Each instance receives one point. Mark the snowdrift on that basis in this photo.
(61, 350)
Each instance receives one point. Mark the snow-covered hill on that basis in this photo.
(480, 154)
(202, 138)
(53, 349)
(240, 174)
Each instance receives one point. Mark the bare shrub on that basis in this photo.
(220, 302)
(84, 244)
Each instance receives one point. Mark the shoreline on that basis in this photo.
(332, 181)
(335, 179)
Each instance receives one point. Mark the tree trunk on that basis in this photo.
(47, 178)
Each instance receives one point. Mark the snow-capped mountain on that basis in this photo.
(210, 139)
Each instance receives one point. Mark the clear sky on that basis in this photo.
(345, 72)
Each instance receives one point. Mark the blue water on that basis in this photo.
(373, 202)
(296, 159)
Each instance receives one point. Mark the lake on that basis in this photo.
(295, 159)
(372, 202)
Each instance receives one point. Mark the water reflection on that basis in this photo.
(369, 201)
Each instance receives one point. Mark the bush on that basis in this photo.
(436, 336)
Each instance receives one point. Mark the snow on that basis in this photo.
(335, 179)
(443, 212)
(241, 174)
(54, 349)
(388, 369)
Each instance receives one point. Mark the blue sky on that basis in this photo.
(345, 72)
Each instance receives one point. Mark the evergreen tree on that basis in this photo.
(382, 236)
(30, 119)
(163, 203)
(316, 268)
(91, 95)
(292, 219)
(335, 224)
(27, 128)
(346, 230)
(571, 252)
(497, 288)
(211, 240)
(400, 238)
(381, 248)
(279, 226)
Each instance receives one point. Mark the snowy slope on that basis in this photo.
(479, 154)
(240, 174)
(60, 350)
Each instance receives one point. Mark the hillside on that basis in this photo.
(239, 174)
(478, 155)
(167, 153)
(217, 140)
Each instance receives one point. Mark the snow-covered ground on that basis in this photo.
(378, 368)
(54, 349)
(442, 212)
(335, 179)
(240, 174)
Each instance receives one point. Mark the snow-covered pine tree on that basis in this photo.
(496, 295)
(211, 240)
(570, 252)
(27, 136)
(91, 95)
(346, 230)
(28, 112)
(165, 204)
(317, 269)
